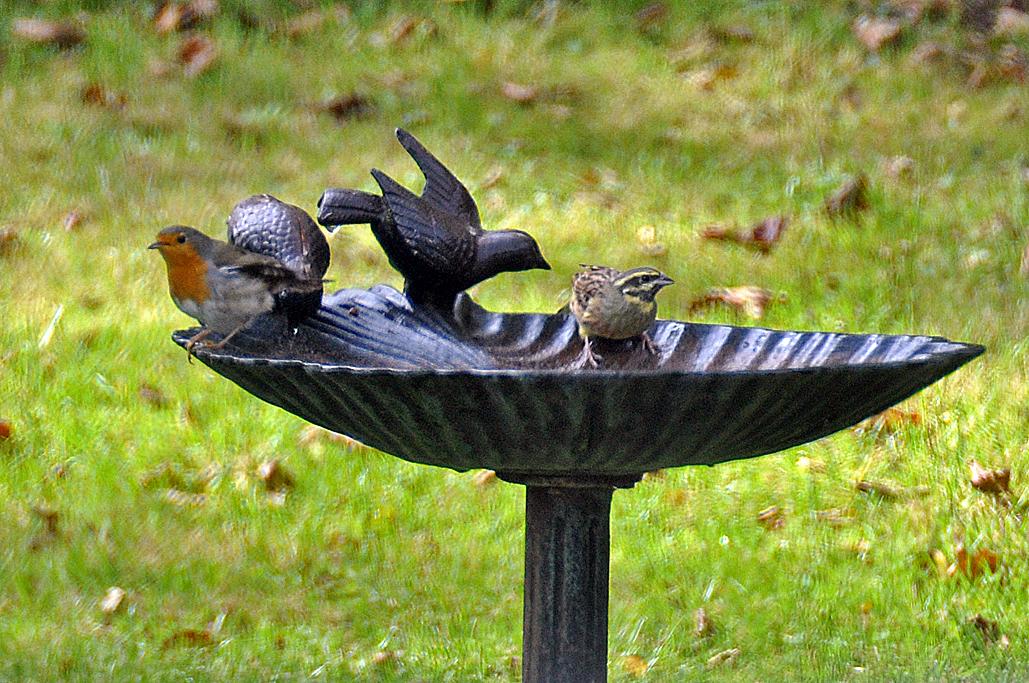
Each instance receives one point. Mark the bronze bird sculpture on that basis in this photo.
(265, 225)
(436, 240)
(614, 304)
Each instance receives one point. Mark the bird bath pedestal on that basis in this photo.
(498, 391)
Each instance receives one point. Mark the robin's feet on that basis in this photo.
(588, 358)
(649, 346)
(194, 340)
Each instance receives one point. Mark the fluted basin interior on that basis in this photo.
(503, 391)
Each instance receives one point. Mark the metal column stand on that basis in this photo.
(567, 554)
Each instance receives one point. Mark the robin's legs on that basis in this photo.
(199, 336)
(588, 357)
(230, 335)
(649, 346)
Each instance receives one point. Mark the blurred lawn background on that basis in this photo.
(615, 135)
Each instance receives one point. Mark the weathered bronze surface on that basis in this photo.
(483, 389)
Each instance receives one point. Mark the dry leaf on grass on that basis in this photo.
(723, 657)
(702, 624)
(315, 20)
(404, 28)
(1024, 267)
(876, 32)
(72, 220)
(927, 52)
(635, 666)
(348, 106)
(383, 657)
(990, 481)
(152, 396)
(181, 16)
(899, 167)
(63, 34)
(6, 430)
(706, 78)
(849, 199)
(835, 517)
(274, 476)
(989, 631)
(761, 236)
(484, 478)
(112, 600)
(197, 54)
(772, 518)
(313, 435)
(517, 92)
(1011, 22)
(811, 465)
(973, 566)
(97, 95)
(188, 637)
(732, 34)
(651, 16)
(880, 488)
(747, 299)
(890, 421)
(8, 239)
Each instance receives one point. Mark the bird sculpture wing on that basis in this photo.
(442, 189)
(429, 233)
(265, 225)
(588, 282)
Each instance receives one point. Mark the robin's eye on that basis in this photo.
(181, 239)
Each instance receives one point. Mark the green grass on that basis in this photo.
(370, 554)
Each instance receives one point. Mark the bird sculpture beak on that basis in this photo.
(155, 245)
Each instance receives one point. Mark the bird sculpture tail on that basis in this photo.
(339, 206)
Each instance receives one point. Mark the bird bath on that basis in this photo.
(487, 390)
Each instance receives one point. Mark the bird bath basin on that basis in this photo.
(500, 391)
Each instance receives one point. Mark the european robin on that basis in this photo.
(614, 304)
(223, 286)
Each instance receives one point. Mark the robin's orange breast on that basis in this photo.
(187, 275)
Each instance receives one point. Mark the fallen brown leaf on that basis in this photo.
(348, 106)
(517, 92)
(751, 300)
(72, 220)
(112, 600)
(405, 27)
(182, 16)
(63, 34)
(49, 517)
(312, 435)
(635, 666)
(772, 518)
(315, 20)
(706, 77)
(761, 236)
(927, 52)
(151, 395)
(848, 199)
(1012, 63)
(835, 517)
(732, 34)
(811, 465)
(1011, 22)
(876, 32)
(96, 94)
(990, 631)
(8, 239)
(891, 420)
(973, 566)
(888, 491)
(385, 657)
(484, 478)
(702, 624)
(723, 657)
(1024, 267)
(6, 430)
(899, 167)
(275, 476)
(189, 637)
(990, 481)
(651, 16)
(197, 54)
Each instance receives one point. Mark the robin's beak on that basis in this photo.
(156, 245)
(664, 281)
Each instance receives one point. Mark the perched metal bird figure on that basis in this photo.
(266, 225)
(615, 304)
(223, 286)
(435, 240)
